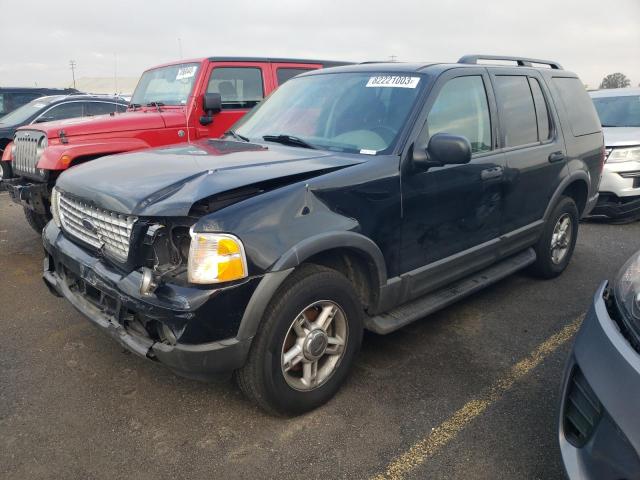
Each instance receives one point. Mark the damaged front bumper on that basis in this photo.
(111, 300)
(34, 196)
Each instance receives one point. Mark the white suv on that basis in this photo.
(619, 111)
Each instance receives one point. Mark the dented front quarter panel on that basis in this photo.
(363, 198)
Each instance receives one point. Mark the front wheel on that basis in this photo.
(37, 221)
(555, 247)
(306, 343)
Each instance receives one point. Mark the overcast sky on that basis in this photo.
(38, 38)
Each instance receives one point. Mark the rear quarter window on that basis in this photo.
(578, 105)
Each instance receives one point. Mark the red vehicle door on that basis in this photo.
(285, 71)
(241, 85)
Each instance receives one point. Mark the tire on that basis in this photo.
(263, 378)
(37, 221)
(548, 264)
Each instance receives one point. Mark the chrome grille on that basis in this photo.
(97, 227)
(25, 157)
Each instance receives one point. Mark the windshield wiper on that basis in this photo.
(155, 104)
(134, 105)
(288, 140)
(237, 136)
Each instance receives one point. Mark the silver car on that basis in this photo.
(619, 111)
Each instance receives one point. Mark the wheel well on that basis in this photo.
(354, 265)
(579, 191)
(3, 143)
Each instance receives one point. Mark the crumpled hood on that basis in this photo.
(119, 122)
(621, 136)
(168, 181)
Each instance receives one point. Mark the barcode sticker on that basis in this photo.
(186, 72)
(393, 81)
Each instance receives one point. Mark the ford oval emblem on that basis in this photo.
(88, 224)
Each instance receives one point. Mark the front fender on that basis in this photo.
(329, 241)
(59, 157)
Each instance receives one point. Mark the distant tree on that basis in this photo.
(615, 80)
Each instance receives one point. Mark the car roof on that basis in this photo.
(37, 89)
(51, 99)
(466, 61)
(325, 63)
(615, 92)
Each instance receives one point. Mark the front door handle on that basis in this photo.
(556, 157)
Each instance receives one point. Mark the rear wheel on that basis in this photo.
(37, 221)
(306, 343)
(555, 247)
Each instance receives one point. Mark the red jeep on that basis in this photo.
(174, 103)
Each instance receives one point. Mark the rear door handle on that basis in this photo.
(556, 157)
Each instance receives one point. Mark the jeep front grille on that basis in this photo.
(27, 152)
(95, 226)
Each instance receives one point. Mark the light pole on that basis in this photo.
(72, 64)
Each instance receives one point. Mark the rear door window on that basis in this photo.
(99, 108)
(518, 118)
(284, 74)
(239, 87)
(578, 105)
(542, 111)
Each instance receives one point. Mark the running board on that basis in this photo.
(409, 312)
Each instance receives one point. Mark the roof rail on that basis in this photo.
(521, 61)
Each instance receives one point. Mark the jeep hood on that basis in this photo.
(119, 122)
(621, 136)
(168, 181)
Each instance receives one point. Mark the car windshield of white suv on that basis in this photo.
(622, 111)
(23, 113)
(169, 85)
(350, 112)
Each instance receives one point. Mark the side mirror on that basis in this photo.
(211, 104)
(44, 119)
(443, 149)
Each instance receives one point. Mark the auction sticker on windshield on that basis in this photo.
(393, 81)
(186, 72)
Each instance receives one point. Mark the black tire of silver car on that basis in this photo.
(555, 247)
(37, 221)
(306, 342)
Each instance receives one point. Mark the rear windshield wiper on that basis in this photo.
(237, 136)
(288, 140)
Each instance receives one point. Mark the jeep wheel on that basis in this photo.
(306, 343)
(555, 247)
(37, 221)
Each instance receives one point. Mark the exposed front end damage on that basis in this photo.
(191, 330)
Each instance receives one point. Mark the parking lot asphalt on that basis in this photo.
(470, 392)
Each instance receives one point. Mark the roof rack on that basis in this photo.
(521, 61)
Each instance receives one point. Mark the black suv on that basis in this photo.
(364, 196)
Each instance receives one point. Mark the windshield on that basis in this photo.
(21, 114)
(165, 85)
(351, 112)
(623, 111)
